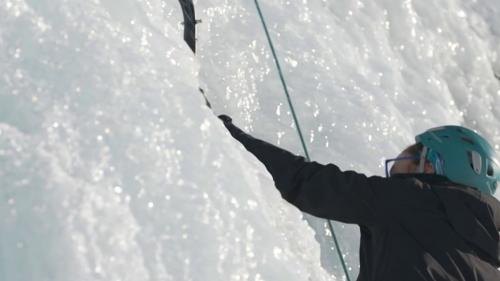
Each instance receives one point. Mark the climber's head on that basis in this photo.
(408, 162)
(455, 152)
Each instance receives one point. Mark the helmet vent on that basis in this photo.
(475, 161)
(490, 171)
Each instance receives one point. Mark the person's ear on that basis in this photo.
(429, 168)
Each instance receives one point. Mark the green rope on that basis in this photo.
(271, 45)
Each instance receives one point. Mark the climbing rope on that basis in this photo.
(295, 119)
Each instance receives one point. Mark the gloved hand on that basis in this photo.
(236, 132)
(228, 123)
(225, 118)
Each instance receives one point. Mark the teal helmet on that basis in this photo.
(462, 156)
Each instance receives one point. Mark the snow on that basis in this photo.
(112, 168)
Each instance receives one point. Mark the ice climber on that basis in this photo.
(432, 218)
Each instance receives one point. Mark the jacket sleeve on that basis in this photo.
(320, 190)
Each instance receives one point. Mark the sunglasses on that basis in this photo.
(388, 166)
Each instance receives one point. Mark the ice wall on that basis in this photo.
(112, 168)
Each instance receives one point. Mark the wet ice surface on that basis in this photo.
(111, 167)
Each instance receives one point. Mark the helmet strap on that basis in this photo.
(421, 164)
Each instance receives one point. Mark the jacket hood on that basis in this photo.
(474, 215)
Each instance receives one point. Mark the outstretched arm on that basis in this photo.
(321, 190)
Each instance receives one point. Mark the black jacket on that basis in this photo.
(413, 227)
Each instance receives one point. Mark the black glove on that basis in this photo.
(236, 132)
(225, 118)
(228, 123)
